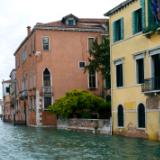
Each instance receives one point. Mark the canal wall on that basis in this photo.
(100, 126)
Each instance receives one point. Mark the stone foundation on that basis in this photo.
(86, 125)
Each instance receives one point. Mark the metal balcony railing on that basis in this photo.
(47, 89)
(151, 85)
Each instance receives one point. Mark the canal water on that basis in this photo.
(25, 143)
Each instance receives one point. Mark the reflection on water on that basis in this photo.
(25, 143)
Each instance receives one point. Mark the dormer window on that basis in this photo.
(70, 22)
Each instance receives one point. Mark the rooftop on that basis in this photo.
(120, 6)
(82, 25)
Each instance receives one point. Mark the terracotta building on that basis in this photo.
(50, 62)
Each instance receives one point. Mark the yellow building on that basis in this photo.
(135, 68)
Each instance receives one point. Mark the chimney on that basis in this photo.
(28, 30)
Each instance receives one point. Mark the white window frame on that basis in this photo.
(52, 99)
(96, 78)
(70, 19)
(138, 57)
(116, 63)
(145, 117)
(48, 43)
(121, 127)
(152, 53)
(81, 62)
(88, 42)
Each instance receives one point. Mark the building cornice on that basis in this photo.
(119, 7)
(73, 29)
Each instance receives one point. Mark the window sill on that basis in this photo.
(46, 50)
(118, 41)
(142, 129)
(121, 127)
(138, 33)
(138, 85)
(92, 89)
(120, 87)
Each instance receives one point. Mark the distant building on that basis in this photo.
(135, 68)
(7, 108)
(19, 114)
(50, 62)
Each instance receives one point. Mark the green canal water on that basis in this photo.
(25, 143)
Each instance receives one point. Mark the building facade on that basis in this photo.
(7, 107)
(135, 62)
(50, 62)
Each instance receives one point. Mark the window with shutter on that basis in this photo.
(122, 28)
(119, 75)
(140, 70)
(114, 31)
(137, 21)
(118, 30)
(143, 6)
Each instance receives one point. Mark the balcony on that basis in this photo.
(46, 90)
(151, 85)
(23, 94)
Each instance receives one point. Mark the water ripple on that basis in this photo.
(25, 143)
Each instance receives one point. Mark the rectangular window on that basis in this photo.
(24, 56)
(7, 89)
(45, 43)
(24, 84)
(90, 43)
(119, 75)
(81, 64)
(140, 70)
(137, 21)
(92, 79)
(70, 22)
(47, 101)
(118, 30)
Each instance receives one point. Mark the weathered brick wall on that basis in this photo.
(32, 118)
(49, 119)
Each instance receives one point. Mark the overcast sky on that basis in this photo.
(16, 15)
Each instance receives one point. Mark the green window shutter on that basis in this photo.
(114, 31)
(143, 14)
(133, 22)
(151, 19)
(122, 28)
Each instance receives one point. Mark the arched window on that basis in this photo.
(120, 116)
(47, 88)
(141, 116)
(46, 78)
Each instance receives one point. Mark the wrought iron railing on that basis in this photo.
(47, 89)
(151, 84)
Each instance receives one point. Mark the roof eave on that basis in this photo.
(117, 8)
(27, 37)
